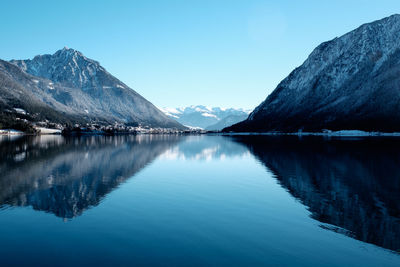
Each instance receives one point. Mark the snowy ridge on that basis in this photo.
(202, 117)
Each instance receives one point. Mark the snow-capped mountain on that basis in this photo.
(350, 82)
(206, 117)
(69, 67)
(77, 89)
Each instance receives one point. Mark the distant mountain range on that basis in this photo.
(350, 82)
(68, 87)
(208, 118)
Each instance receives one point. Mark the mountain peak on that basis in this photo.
(70, 54)
(68, 51)
(67, 66)
(83, 91)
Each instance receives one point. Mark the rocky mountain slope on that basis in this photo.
(226, 122)
(69, 87)
(210, 118)
(350, 82)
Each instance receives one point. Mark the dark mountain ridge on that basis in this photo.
(350, 82)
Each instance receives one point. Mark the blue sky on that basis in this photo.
(178, 53)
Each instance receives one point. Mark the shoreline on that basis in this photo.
(342, 133)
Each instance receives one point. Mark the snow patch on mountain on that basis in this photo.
(205, 114)
(202, 117)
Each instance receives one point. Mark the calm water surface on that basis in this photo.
(199, 200)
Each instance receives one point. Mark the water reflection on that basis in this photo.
(351, 186)
(67, 176)
(204, 148)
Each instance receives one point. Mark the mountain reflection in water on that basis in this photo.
(66, 176)
(351, 184)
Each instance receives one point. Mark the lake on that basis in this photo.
(170, 200)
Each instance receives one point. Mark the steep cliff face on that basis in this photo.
(350, 82)
(80, 88)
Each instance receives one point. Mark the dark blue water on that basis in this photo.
(199, 201)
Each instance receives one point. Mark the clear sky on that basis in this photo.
(178, 53)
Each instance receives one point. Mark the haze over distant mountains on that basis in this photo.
(69, 87)
(208, 118)
(350, 82)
